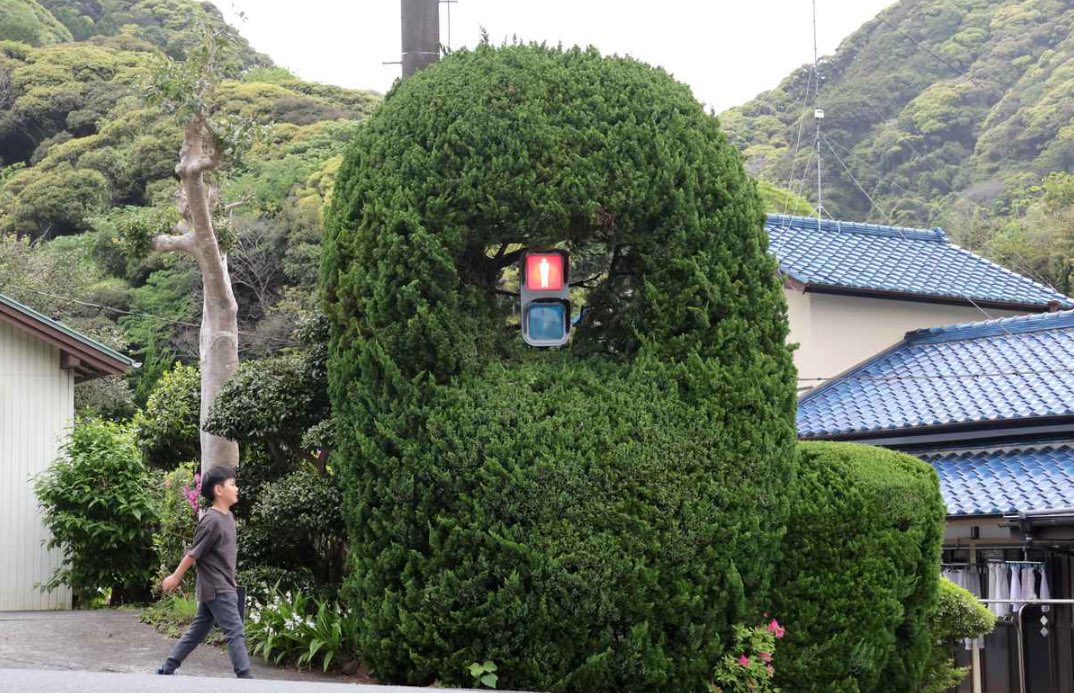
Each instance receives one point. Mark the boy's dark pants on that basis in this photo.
(224, 610)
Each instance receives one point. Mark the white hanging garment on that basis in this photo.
(1029, 583)
(973, 581)
(1045, 592)
(1016, 588)
(997, 588)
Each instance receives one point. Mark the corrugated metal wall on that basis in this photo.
(36, 407)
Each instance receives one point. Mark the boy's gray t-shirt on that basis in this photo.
(216, 550)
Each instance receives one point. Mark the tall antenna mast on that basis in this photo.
(818, 117)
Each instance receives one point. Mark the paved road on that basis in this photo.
(96, 682)
(110, 641)
(110, 651)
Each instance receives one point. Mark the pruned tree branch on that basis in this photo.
(168, 243)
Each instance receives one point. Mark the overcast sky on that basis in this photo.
(728, 51)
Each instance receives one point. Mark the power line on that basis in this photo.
(121, 311)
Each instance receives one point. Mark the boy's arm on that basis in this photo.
(172, 581)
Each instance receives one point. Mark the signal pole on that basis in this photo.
(421, 34)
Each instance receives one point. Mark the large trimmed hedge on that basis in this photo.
(857, 583)
(591, 518)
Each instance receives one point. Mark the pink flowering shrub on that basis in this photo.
(192, 494)
(178, 500)
(747, 667)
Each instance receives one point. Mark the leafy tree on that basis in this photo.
(493, 492)
(28, 22)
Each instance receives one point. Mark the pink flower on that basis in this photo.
(774, 627)
(770, 670)
(765, 656)
(744, 660)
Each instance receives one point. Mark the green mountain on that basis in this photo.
(936, 111)
(84, 154)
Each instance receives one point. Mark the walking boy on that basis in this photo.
(215, 552)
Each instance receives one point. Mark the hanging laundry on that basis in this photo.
(973, 581)
(998, 588)
(1045, 592)
(1016, 588)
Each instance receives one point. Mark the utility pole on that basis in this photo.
(421, 34)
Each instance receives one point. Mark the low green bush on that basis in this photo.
(959, 615)
(856, 585)
(99, 506)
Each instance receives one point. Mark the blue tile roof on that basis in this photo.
(1005, 480)
(1000, 370)
(917, 262)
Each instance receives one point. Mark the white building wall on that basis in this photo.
(837, 332)
(36, 407)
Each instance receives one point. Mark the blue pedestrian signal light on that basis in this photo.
(544, 294)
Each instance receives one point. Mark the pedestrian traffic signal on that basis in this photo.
(545, 298)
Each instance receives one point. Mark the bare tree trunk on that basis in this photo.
(219, 337)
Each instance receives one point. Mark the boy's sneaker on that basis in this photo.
(161, 671)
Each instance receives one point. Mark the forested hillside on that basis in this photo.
(957, 113)
(84, 157)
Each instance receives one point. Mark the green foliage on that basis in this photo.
(484, 673)
(856, 585)
(170, 25)
(747, 667)
(925, 104)
(167, 428)
(494, 492)
(958, 615)
(172, 613)
(301, 515)
(780, 201)
(289, 627)
(269, 404)
(178, 520)
(98, 504)
(29, 22)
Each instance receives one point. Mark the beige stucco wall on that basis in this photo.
(836, 332)
(36, 406)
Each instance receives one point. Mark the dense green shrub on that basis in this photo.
(958, 615)
(856, 585)
(592, 518)
(167, 429)
(98, 504)
(301, 515)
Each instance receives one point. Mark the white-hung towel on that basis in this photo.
(1016, 588)
(998, 588)
(1045, 592)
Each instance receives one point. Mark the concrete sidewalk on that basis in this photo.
(95, 682)
(111, 651)
(111, 641)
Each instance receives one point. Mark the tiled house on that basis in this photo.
(854, 289)
(991, 406)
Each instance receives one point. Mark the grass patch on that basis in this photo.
(172, 613)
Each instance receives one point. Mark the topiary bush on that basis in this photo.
(856, 585)
(589, 518)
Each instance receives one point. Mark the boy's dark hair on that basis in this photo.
(216, 475)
